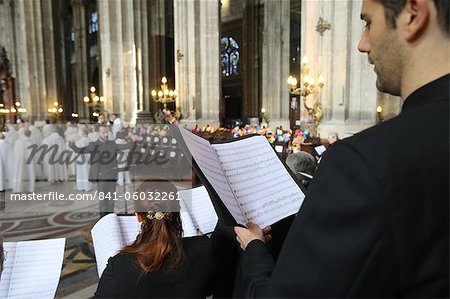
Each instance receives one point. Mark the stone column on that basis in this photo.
(145, 57)
(209, 60)
(116, 63)
(128, 104)
(363, 92)
(7, 31)
(81, 87)
(185, 57)
(40, 108)
(104, 33)
(49, 55)
(197, 65)
(349, 96)
(275, 61)
(143, 63)
(251, 53)
(138, 52)
(123, 55)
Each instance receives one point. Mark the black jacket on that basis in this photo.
(375, 222)
(193, 278)
(103, 159)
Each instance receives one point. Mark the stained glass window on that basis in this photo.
(229, 56)
(93, 22)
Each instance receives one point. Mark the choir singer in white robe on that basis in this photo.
(53, 169)
(7, 163)
(24, 177)
(82, 172)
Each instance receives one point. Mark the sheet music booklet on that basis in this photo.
(32, 268)
(111, 233)
(245, 177)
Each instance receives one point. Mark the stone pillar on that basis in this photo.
(141, 14)
(209, 60)
(7, 31)
(124, 56)
(138, 52)
(49, 55)
(146, 98)
(128, 104)
(251, 54)
(185, 57)
(363, 93)
(197, 68)
(81, 85)
(25, 77)
(275, 61)
(39, 106)
(116, 63)
(349, 97)
(104, 33)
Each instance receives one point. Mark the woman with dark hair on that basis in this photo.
(159, 263)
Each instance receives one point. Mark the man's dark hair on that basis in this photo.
(392, 9)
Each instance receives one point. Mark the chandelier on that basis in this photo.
(56, 109)
(307, 87)
(164, 95)
(94, 101)
(14, 109)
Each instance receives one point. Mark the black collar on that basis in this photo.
(435, 91)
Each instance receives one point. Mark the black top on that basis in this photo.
(375, 222)
(103, 158)
(193, 278)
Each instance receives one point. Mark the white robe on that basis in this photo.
(73, 137)
(11, 136)
(82, 172)
(54, 170)
(93, 136)
(36, 136)
(7, 165)
(24, 177)
(117, 125)
(47, 130)
(122, 157)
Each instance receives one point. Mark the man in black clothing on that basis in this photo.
(375, 222)
(104, 170)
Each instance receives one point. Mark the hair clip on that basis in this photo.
(156, 215)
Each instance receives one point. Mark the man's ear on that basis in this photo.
(416, 20)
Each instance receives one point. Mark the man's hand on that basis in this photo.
(252, 232)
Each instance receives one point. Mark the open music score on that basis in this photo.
(32, 268)
(207, 160)
(110, 234)
(249, 178)
(197, 212)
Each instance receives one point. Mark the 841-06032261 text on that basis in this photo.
(156, 196)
